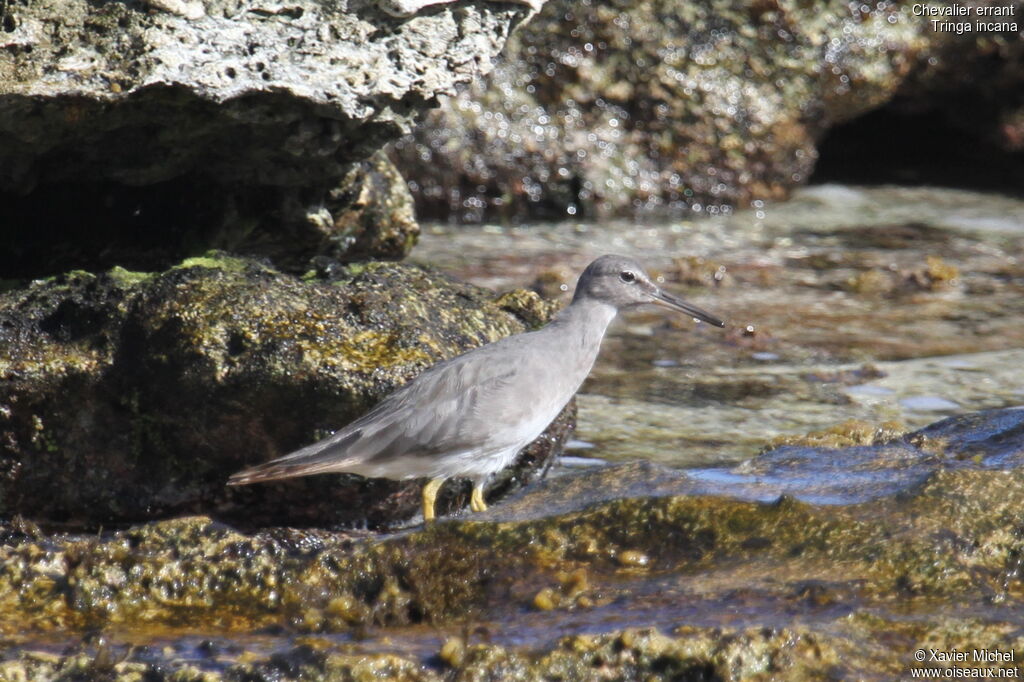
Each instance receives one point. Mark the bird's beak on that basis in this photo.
(672, 303)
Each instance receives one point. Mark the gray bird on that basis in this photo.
(468, 416)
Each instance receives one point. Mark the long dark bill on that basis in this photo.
(671, 302)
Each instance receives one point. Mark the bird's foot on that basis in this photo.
(429, 497)
(476, 499)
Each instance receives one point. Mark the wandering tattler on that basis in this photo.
(470, 415)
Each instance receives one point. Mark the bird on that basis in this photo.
(469, 416)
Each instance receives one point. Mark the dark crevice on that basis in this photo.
(894, 146)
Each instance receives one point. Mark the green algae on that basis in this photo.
(216, 260)
(165, 573)
(192, 574)
(849, 432)
(783, 587)
(128, 278)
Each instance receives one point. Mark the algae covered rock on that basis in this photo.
(129, 396)
(801, 652)
(633, 654)
(728, 588)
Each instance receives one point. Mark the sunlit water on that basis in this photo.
(881, 304)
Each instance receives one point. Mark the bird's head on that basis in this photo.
(622, 283)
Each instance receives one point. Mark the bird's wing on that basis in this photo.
(443, 410)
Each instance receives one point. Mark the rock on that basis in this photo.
(993, 437)
(729, 587)
(130, 396)
(622, 108)
(367, 214)
(886, 463)
(688, 652)
(137, 134)
(636, 653)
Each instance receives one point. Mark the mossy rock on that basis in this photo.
(800, 652)
(737, 588)
(131, 396)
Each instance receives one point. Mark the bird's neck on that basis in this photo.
(583, 323)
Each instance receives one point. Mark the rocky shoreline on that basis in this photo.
(199, 272)
(601, 546)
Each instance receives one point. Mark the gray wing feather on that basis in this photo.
(442, 410)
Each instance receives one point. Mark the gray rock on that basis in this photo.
(990, 440)
(620, 108)
(259, 92)
(211, 123)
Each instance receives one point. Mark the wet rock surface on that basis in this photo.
(624, 108)
(558, 579)
(158, 130)
(129, 396)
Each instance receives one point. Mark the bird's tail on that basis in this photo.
(318, 458)
(270, 471)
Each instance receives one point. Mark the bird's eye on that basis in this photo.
(627, 276)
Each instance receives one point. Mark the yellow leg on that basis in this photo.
(429, 495)
(476, 500)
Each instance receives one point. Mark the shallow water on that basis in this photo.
(882, 304)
